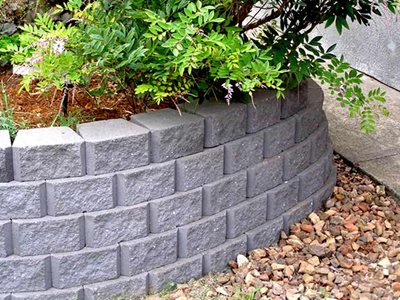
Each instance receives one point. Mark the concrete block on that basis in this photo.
(180, 272)
(202, 235)
(146, 183)
(6, 168)
(265, 235)
(307, 122)
(315, 94)
(282, 198)
(5, 296)
(48, 235)
(243, 153)
(77, 195)
(154, 251)
(279, 137)
(176, 210)
(198, 169)
(297, 213)
(172, 135)
(264, 111)
(27, 274)
(321, 196)
(22, 200)
(127, 288)
(246, 216)
(312, 179)
(48, 153)
(113, 226)
(216, 259)
(296, 159)
(52, 294)
(5, 239)
(224, 193)
(264, 176)
(295, 100)
(114, 145)
(85, 267)
(319, 142)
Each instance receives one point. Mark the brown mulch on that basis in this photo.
(351, 250)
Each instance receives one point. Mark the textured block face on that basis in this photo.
(319, 142)
(297, 213)
(146, 183)
(224, 193)
(114, 145)
(264, 112)
(312, 179)
(152, 252)
(279, 137)
(191, 237)
(265, 235)
(47, 153)
(325, 192)
(127, 288)
(5, 296)
(295, 100)
(246, 216)
(243, 153)
(282, 198)
(52, 294)
(84, 267)
(48, 235)
(22, 200)
(28, 274)
(78, 195)
(176, 210)
(181, 271)
(195, 170)
(307, 121)
(315, 94)
(172, 135)
(216, 259)
(5, 238)
(296, 159)
(6, 171)
(114, 226)
(264, 176)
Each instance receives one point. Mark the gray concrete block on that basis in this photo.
(279, 137)
(319, 142)
(265, 235)
(154, 251)
(297, 213)
(172, 135)
(146, 183)
(78, 195)
(48, 153)
(282, 198)
(307, 122)
(312, 179)
(321, 196)
(22, 200)
(52, 294)
(48, 235)
(195, 170)
(127, 288)
(243, 153)
(224, 193)
(28, 274)
(315, 94)
(246, 216)
(6, 168)
(202, 235)
(180, 272)
(85, 267)
(264, 111)
(5, 296)
(296, 159)
(295, 100)
(216, 259)
(264, 176)
(113, 226)
(114, 145)
(176, 210)
(5, 239)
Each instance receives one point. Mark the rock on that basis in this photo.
(258, 253)
(385, 263)
(277, 289)
(343, 261)
(242, 261)
(8, 29)
(307, 228)
(276, 266)
(314, 261)
(351, 227)
(222, 291)
(314, 218)
(396, 286)
(307, 278)
(306, 268)
(318, 250)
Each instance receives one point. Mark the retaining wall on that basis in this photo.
(124, 208)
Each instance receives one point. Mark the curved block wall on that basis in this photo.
(124, 208)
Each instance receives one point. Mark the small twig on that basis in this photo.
(54, 97)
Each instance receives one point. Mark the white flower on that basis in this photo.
(58, 46)
(229, 93)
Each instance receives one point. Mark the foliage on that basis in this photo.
(7, 121)
(5, 42)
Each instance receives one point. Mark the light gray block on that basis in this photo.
(78, 195)
(243, 153)
(296, 159)
(48, 153)
(113, 226)
(6, 168)
(176, 210)
(114, 145)
(154, 251)
(172, 135)
(295, 100)
(282, 198)
(265, 235)
(198, 169)
(307, 122)
(5, 239)
(312, 178)
(28, 274)
(246, 216)
(297, 213)
(216, 259)
(202, 235)
(264, 176)
(48, 235)
(279, 137)
(22, 200)
(146, 183)
(5, 296)
(181, 271)
(224, 193)
(321, 196)
(319, 142)
(264, 111)
(52, 294)
(85, 267)
(126, 288)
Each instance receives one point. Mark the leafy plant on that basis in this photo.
(7, 114)
(5, 42)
